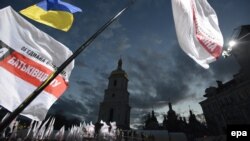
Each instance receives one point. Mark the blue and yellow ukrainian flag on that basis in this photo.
(54, 13)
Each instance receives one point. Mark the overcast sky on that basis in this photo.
(144, 37)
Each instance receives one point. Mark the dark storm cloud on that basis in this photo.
(68, 107)
(109, 32)
(83, 105)
(172, 75)
(91, 94)
(82, 83)
(173, 91)
(226, 67)
(80, 63)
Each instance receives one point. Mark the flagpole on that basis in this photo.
(52, 76)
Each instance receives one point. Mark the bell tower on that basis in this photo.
(115, 106)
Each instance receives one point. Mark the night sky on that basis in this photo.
(144, 37)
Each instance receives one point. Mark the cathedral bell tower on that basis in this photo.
(115, 106)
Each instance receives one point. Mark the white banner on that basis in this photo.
(197, 30)
(27, 57)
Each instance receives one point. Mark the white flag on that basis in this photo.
(60, 134)
(27, 57)
(197, 30)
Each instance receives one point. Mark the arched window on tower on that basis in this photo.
(111, 114)
(115, 82)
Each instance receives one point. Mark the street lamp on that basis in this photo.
(231, 44)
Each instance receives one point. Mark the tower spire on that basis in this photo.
(119, 67)
(170, 106)
(190, 111)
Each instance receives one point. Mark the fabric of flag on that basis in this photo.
(27, 57)
(54, 13)
(197, 30)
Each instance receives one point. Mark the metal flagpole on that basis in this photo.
(36, 92)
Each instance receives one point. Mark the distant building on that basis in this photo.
(151, 122)
(115, 106)
(229, 103)
(173, 123)
(195, 128)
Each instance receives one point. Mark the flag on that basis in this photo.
(30, 128)
(42, 130)
(54, 13)
(27, 57)
(197, 30)
(60, 134)
(35, 129)
(49, 129)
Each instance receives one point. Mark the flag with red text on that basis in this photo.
(197, 30)
(27, 57)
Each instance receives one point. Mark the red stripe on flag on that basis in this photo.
(33, 73)
(209, 45)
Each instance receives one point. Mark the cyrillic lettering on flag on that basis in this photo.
(197, 30)
(27, 57)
